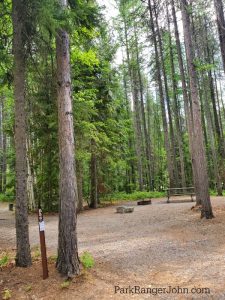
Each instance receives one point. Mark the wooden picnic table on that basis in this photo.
(180, 192)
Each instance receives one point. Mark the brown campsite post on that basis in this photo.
(42, 242)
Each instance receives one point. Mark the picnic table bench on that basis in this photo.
(180, 192)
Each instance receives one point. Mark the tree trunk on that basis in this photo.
(187, 105)
(176, 109)
(138, 131)
(150, 133)
(219, 104)
(129, 180)
(221, 27)
(142, 108)
(79, 185)
(67, 261)
(23, 256)
(218, 128)
(4, 154)
(30, 182)
(1, 145)
(168, 102)
(202, 109)
(136, 118)
(94, 177)
(162, 103)
(198, 140)
(212, 139)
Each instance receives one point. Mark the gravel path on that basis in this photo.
(158, 245)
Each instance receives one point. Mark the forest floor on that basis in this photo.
(159, 247)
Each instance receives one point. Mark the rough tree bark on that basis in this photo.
(67, 261)
(198, 140)
(23, 256)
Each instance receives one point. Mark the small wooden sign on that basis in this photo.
(42, 243)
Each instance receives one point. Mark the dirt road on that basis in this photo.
(157, 246)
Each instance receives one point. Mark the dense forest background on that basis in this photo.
(131, 90)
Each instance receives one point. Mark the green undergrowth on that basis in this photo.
(111, 198)
(214, 193)
(6, 197)
(117, 197)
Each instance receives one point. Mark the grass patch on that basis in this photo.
(65, 284)
(52, 259)
(4, 260)
(28, 288)
(87, 260)
(6, 294)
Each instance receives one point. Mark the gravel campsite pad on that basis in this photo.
(157, 246)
